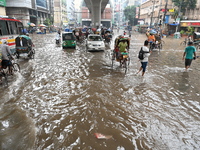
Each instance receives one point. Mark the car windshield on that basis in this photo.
(95, 38)
(68, 37)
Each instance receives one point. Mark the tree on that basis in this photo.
(185, 4)
(130, 13)
(48, 21)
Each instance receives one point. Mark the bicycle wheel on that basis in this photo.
(183, 43)
(112, 58)
(150, 47)
(32, 55)
(33, 50)
(15, 67)
(128, 61)
(4, 79)
(163, 42)
(124, 65)
(160, 46)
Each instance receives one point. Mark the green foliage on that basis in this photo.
(182, 32)
(190, 30)
(175, 14)
(48, 21)
(185, 4)
(130, 13)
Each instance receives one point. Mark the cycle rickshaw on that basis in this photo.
(196, 39)
(24, 46)
(123, 58)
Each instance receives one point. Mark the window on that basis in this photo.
(13, 27)
(68, 37)
(95, 38)
(3, 27)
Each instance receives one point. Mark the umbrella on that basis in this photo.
(152, 32)
(31, 24)
(42, 25)
(68, 30)
(54, 26)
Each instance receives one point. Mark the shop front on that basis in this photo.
(190, 23)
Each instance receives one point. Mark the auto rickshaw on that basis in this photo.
(24, 45)
(196, 40)
(196, 37)
(68, 40)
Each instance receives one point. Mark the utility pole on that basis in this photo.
(165, 13)
(152, 12)
(158, 21)
(179, 16)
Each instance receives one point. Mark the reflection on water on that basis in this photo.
(62, 97)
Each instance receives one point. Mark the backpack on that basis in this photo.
(141, 54)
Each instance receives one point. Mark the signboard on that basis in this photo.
(192, 24)
(20, 3)
(2, 2)
(41, 3)
(167, 10)
(171, 10)
(178, 20)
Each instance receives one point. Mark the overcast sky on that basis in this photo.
(77, 3)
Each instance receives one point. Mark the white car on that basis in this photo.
(95, 42)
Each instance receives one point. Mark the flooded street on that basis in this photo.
(62, 98)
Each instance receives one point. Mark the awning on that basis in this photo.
(33, 16)
(172, 24)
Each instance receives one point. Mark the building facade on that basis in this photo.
(35, 11)
(71, 14)
(60, 13)
(156, 12)
(2, 8)
(191, 18)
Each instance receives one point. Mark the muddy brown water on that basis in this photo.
(62, 97)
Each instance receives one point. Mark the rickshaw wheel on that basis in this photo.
(17, 55)
(31, 55)
(33, 50)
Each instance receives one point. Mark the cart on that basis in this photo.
(24, 46)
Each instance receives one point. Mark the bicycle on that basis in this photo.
(158, 45)
(123, 59)
(151, 45)
(185, 42)
(14, 68)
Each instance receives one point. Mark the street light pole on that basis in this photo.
(179, 16)
(152, 12)
(165, 13)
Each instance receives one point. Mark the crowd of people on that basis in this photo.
(82, 33)
(121, 45)
(155, 38)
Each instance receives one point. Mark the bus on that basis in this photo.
(10, 28)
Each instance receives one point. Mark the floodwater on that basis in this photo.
(62, 98)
